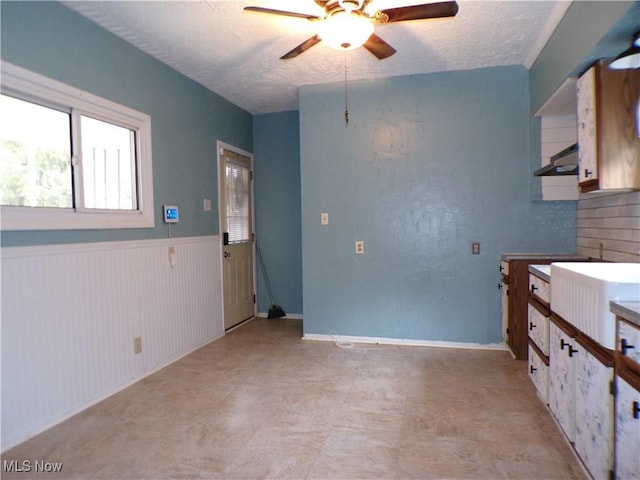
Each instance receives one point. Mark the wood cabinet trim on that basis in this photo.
(540, 305)
(603, 355)
(563, 325)
(539, 352)
(631, 377)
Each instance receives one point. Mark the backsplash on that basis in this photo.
(608, 226)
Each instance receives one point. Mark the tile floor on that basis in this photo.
(262, 403)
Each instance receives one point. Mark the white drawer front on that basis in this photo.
(539, 374)
(504, 268)
(538, 327)
(540, 288)
(629, 336)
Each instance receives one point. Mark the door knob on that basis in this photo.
(227, 254)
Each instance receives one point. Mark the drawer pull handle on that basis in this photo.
(624, 346)
(563, 344)
(532, 326)
(533, 369)
(533, 289)
(572, 351)
(499, 286)
(635, 410)
(587, 172)
(501, 269)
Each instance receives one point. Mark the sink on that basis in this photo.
(581, 291)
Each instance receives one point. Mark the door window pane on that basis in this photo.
(237, 202)
(109, 165)
(35, 155)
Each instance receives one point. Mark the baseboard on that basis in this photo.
(404, 341)
(294, 316)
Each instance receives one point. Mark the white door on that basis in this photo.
(236, 220)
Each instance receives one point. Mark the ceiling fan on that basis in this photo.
(349, 24)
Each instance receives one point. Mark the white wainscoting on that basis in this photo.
(70, 314)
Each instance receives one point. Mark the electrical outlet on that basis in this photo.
(475, 248)
(173, 259)
(137, 345)
(324, 219)
(207, 205)
(359, 247)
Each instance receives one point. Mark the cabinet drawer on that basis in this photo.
(538, 327)
(539, 374)
(504, 267)
(540, 289)
(629, 341)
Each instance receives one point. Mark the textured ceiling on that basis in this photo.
(236, 54)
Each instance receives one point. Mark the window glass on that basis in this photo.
(35, 155)
(108, 165)
(238, 199)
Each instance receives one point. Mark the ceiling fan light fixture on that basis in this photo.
(630, 58)
(345, 30)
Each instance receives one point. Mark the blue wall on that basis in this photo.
(569, 51)
(186, 118)
(427, 165)
(277, 188)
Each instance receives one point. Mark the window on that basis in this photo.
(69, 159)
(238, 185)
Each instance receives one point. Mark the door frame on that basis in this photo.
(220, 148)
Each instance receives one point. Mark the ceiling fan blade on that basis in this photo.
(303, 47)
(418, 12)
(280, 12)
(379, 47)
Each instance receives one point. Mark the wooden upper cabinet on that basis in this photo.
(608, 128)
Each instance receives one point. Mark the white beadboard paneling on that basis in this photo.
(608, 226)
(558, 132)
(70, 314)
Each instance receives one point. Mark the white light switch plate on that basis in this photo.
(324, 219)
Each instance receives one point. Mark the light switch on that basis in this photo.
(207, 205)
(324, 219)
(173, 260)
(475, 248)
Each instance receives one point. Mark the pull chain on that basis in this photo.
(346, 108)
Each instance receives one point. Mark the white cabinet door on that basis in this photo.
(539, 375)
(593, 413)
(627, 432)
(505, 310)
(587, 134)
(539, 329)
(562, 380)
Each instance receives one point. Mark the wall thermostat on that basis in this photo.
(171, 214)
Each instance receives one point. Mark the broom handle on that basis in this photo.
(264, 272)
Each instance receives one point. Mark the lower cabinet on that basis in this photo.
(539, 374)
(627, 431)
(594, 413)
(562, 380)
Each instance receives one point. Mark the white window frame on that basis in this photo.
(22, 83)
